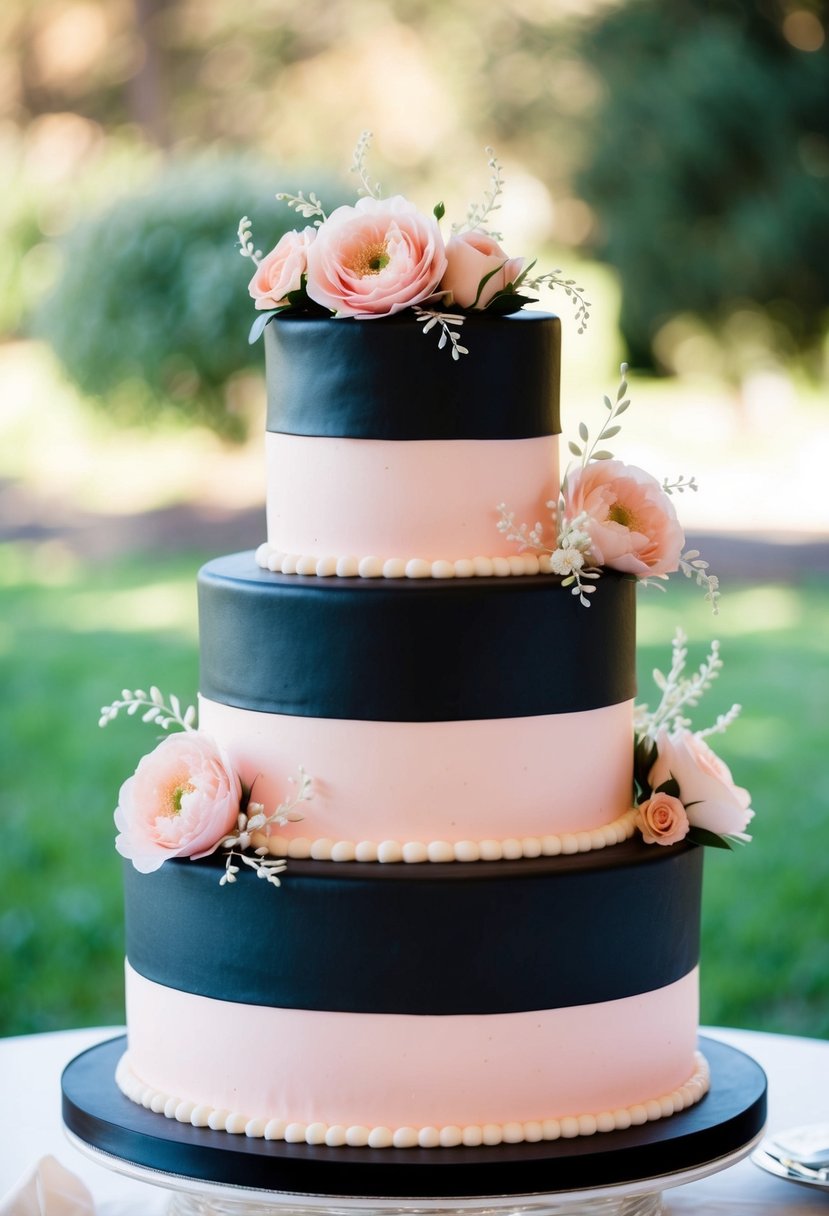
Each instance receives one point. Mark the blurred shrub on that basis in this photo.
(150, 313)
(709, 164)
(19, 237)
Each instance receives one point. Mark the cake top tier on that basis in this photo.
(370, 379)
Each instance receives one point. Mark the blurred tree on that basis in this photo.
(708, 162)
(147, 314)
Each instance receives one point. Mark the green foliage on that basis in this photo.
(708, 166)
(765, 959)
(150, 311)
(70, 641)
(21, 251)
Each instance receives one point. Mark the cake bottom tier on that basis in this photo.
(404, 1080)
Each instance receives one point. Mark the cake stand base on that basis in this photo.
(620, 1173)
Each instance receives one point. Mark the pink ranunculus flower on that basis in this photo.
(631, 520)
(662, 820)
(375, 258)
(706, 787)
(471, 256)
(281, 270)
(182, 800)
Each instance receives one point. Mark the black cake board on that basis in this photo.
(718, 1130)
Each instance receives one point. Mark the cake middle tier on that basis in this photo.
(470, 720)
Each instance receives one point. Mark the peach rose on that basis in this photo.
(375, 258)
(631, 520)
(181, 801)
(281, 270)
(470, 257)
(662, 820)
(706, 787)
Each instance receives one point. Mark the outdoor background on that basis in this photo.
(671, 158)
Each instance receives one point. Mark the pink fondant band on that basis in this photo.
(424, 499)
(398, 1070)
(435, 781)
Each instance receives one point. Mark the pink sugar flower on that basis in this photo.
(706, 787)
(662, 820)
(631, 521)
(375, 258)
(182, 800)
(471, 256)
(280, 271)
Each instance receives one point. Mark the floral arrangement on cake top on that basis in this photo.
(614, 515)
(186, 800)
(682, 788)
(383, 256)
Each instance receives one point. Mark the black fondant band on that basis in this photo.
(385, 379)
(412, 650)
(430, 939)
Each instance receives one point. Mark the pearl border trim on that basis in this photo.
(415, 851)
(568, 1127)
(268, 557)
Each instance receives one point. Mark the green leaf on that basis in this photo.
(603, 455)
(583, 432)
(439, 211)
(258, 327)
(484, 282)
(607, 403)
(671, 787)
(508, 301)
(704, 837)
(574, 448)
(610, 432)
(522, 276)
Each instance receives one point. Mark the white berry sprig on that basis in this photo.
(167, 715)
(251, 823)
(681, 692)
(429, 318)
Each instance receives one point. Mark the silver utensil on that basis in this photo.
(799, 1170)
(808, 1146)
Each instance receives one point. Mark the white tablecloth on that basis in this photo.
(30, 1126)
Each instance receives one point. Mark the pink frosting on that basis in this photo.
(491, 778)
(397, 1070)
(423, 498)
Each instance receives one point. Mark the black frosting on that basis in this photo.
(412, 650)
(495, 937)
(387, 380)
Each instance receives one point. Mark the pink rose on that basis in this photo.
(470, 257)
(662, 820)
(706, 787)
(375, 258)
(281, 271)
(181, 801)
(631, 520)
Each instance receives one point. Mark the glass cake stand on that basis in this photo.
(621, 1173)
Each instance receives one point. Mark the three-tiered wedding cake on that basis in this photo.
(476, 940)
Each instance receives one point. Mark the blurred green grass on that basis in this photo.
(73, 635)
